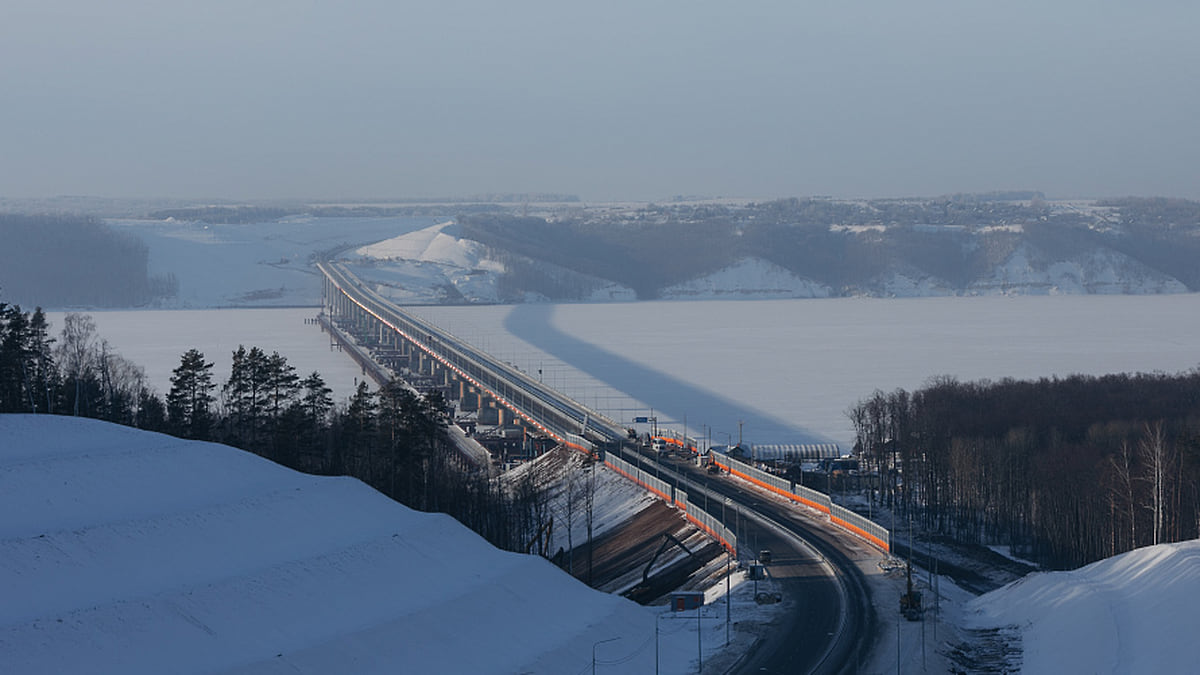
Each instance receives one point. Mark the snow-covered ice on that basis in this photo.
(155, 340)
(788, 370)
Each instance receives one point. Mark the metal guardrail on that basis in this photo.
(872, 532)
(711, 525)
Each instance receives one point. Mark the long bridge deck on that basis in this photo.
(441, 354)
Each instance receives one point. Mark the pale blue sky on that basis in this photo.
(617, 100)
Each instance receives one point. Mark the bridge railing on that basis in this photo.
(506, 384)
(678, 497)
(872, 532)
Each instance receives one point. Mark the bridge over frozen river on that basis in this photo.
(829, 636)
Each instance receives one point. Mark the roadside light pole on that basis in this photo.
(728, 559)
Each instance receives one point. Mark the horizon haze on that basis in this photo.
(617, 101)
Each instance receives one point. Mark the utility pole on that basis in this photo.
(728, 559)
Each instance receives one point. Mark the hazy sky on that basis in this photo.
(622, 99)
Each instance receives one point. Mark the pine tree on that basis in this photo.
(189, 403)
(245, 395)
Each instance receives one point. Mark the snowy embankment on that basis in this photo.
(131, 552)
(1133, 613)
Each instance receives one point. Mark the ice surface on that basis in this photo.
(155, 340)
(788, 370)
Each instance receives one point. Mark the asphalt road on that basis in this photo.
(829, 620)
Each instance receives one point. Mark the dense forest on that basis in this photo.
(393, 439)
(76, 261)
(1066, 471)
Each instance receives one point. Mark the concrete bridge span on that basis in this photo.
(469, 375)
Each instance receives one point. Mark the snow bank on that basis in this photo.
(1133, 613)
(132, 552)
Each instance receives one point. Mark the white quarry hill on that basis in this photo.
(434, 244)
(435, 266)
(749, 278)
(123, 551)
(1133, 613)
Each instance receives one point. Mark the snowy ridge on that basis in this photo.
(1028, 271)
(1132, 613)
(125, 551)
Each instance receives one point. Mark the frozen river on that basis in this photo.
(780, 371)
(156, 339)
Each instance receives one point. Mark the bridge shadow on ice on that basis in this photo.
(671, 398)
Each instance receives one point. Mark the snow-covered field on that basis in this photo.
(123, 551)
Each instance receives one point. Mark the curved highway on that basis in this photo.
(831, 620)
(830, 625)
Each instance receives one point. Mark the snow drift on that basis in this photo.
(132, 552)
(1133, 613)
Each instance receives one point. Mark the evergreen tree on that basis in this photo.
(15, 392)
(317, 399)
(43, 370)
(354, 449)
(189, 403)
(281, 384)
(245, 396)
(309, 424)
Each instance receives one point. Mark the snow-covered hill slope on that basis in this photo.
(123, 551)
(435, 265)
(1029, 271)
(1133, 613)
(434, 244)
(749, 278)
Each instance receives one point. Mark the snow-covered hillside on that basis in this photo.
(749, 278)
(435, 265)
(434, 244)
(1133, 613)
(1028, 271)
(123, 551)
